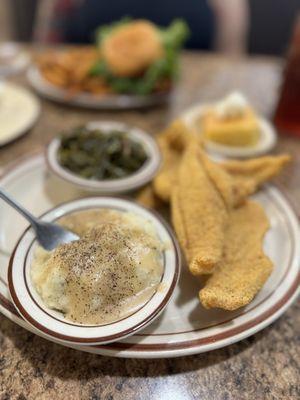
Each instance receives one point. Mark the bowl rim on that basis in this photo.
(110, 186)
(161, 299)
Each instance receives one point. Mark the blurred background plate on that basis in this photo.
(103, 102)
(19, 110)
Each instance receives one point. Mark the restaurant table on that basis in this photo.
(264, 366)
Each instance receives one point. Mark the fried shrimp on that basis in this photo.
(244, 267)
(131, 48)
(199, 214)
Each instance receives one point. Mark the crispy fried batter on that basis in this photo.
(146, 197)
(172, 142)
(236, 182)
(224, 182)
(220, 231)
(244, 268)
(249, 175)
(199, 214)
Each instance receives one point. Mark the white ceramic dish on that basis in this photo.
(52, 323)
(267, 140)
(184, 327)
(111, 186)
(86, 100)
(19, 110)
(13, 59)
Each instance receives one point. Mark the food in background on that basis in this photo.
(129, 56)
(138, 57)
(69, 69)
(110, 272)
(131, 48)
(93, 154)
(231, 122)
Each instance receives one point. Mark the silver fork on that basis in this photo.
(48, 235)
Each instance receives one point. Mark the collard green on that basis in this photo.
(93, 154)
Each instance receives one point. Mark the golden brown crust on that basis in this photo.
(172, 143)
(249, 175)
(146, 197)
(220, 231)
(244, 267)
(199, 214)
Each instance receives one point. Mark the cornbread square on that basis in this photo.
(233, 131)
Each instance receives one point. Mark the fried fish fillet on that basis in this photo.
(224, 182)
(172, 143)
(239, 180)
(146, 197)
(244, 268)
(199, 213)
(249, 175)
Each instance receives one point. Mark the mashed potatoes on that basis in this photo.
(111, 271)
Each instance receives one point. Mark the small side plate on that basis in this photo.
(267, 140)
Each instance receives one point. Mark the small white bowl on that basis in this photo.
(111, 186)
(52, 323)
(266, 142)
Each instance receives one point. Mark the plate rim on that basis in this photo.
(86, 100)
(131, 353)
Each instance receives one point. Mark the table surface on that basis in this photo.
(264, 366)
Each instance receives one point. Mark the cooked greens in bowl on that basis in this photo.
(94, 154)
(105, 157)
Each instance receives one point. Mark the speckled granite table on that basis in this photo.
(265, 366)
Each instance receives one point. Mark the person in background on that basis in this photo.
(214, 24)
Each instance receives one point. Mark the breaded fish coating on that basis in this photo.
(131, 48)
(224, 182)
(250, 174)
(199, 214)
(172, 143)
(244, 268)
(147, 198)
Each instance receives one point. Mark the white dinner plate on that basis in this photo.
(184, 327)
(87, 100)
(267, 139)
(19, 110)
